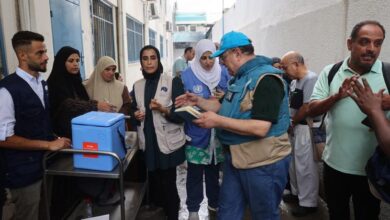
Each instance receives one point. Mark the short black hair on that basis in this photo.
(276, 60)
(358, 26)
(247, 49)
(23, 38)
(187, 49)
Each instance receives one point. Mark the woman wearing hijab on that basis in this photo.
(204, 78)
(102, 86)
(67, 95)
(160, 132)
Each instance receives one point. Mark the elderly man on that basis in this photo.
(181, 63)
(349, 143)
(252, 124)
(303, 172)
(25, 131)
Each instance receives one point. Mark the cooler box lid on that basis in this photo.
(102, 119)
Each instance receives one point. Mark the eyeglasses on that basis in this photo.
(224, 55)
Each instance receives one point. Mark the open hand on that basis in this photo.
(346, 86)
(365, 98)
(186, 99)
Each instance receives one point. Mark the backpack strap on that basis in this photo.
(386, 74)
(333, 71)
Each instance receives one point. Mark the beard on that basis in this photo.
(37, 67)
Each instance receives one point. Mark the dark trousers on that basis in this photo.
(340, 187)
(2, 200)
(194, 185)
(163, 191)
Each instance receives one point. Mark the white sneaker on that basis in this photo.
(193, 216)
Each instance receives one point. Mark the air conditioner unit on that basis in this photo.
(168, 26)
(153, 13)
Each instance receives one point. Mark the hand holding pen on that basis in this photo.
(105, 106)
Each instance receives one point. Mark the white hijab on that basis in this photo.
(212, 77)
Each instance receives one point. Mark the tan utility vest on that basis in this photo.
(170, 136)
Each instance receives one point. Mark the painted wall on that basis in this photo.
(165, 11)
(317, 29)
(87, 36)
(8, 18)
(34, 15)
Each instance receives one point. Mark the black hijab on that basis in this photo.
(160, 68)
(62, 84)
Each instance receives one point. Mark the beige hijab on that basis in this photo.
(100, 90)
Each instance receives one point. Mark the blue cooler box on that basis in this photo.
(99, 131)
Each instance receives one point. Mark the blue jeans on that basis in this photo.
(260, 188)
(194, 185)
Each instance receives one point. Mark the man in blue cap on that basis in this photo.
(252, 124)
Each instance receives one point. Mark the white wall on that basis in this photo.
(8, 19)
(135, 10)
(317, 29)
(87, 37)
(36, 17)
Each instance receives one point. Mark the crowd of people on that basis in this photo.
(255, 124)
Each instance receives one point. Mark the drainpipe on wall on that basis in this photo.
(223, 17)
(23, 14)
(122, 58)
(146, 23)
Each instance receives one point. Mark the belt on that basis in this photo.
(304, 122)
(226, 148)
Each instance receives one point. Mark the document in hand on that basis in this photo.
(188, 113)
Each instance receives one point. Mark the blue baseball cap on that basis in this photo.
(231, 40)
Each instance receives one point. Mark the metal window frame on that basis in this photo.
(136, 35)
(161, 45)
(103, 29)
(152, 37)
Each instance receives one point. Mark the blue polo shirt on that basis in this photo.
(349, 143)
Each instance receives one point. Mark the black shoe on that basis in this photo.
(302, 211)
(290, 198)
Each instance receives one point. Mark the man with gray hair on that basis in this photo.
(303, 171)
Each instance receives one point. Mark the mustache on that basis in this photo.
(370, 54)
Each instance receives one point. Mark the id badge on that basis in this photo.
(229, 96)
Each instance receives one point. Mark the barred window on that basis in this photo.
(152, 37)
(161, 46)
(103, 29)
(135, 36)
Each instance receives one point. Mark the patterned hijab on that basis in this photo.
(100, 90)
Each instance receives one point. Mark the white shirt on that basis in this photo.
(7, 110)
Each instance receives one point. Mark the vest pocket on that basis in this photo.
(174, 135)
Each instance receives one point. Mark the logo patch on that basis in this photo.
(165, 89)
(197, 88)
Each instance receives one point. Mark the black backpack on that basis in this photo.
(378, 166)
